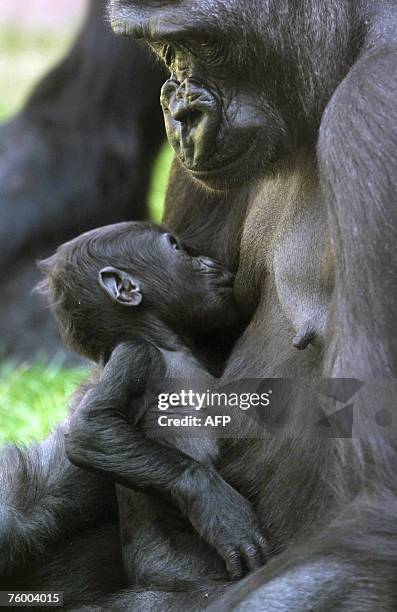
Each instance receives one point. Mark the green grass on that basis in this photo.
(34, 397)
(159, 182)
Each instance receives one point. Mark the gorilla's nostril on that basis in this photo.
(186, 115)
(193, 118)
(180, 114)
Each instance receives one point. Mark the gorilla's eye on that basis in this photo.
(172, 242)
(204, 43)
(209, 50)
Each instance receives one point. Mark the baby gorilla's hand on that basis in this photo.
(223, 518)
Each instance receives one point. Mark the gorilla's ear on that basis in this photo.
(120, 286)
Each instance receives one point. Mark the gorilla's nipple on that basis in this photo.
(305, 336)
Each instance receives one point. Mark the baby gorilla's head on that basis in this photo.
(122, 281)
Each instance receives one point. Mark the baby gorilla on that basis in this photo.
(133, 299)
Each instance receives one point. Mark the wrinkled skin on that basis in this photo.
(204, 126)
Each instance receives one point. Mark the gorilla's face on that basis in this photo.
(220, 103)
(212, 125)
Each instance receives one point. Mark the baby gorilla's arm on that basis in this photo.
(103, 440)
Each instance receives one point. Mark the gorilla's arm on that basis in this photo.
(349, 565)
(360, 127)
(102, 439)
(45, 499)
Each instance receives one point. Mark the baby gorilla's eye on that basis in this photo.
(172, 242)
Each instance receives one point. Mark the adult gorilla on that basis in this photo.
(284, 121)
(78, 155)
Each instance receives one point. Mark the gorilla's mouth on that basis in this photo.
(224, 280)
(208, 166)
(228, 170)
(221, 276)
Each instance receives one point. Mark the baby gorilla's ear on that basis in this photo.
(120, 286)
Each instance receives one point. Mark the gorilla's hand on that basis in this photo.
(223, 518)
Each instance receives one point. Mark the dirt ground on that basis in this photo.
(41, 13)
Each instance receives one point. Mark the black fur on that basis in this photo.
(309, 206)
(308, 217)
(113, 430)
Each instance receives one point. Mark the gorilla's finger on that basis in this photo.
(234, 564)
(252, 556)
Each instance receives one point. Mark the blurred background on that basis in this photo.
(34, 36)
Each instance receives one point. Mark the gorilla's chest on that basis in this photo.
(284, 278)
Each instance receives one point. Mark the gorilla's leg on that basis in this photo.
(59, 531)
(79, 155)
(85, 567)
(46, 502)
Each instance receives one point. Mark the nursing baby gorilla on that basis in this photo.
(133, 299)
